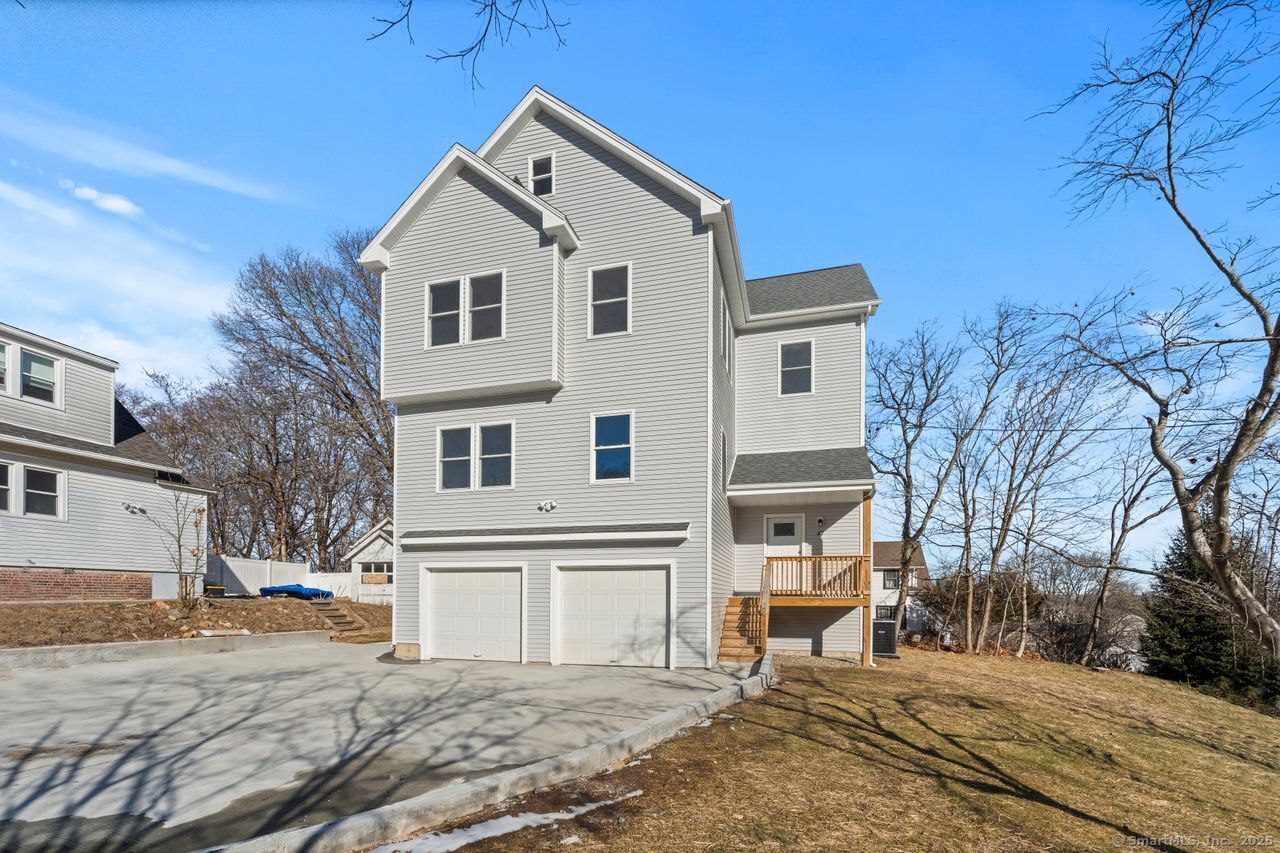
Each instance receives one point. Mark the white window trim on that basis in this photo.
(630, 299)
(480, 448)
(7, 363)
(465, 337)
(726, 337)
(13, 375)
(390, 563)
(813, 367)
(22, 469)
(471, 458)
(13, 492)
(462, 312)
(592, 446)
(555, 182)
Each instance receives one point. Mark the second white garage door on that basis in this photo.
(474, 614)
(613, 616)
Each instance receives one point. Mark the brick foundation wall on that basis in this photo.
(19, 584)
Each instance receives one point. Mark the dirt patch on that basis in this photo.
(74, 623)
(377, 635)
(377, 615)
(935, 752)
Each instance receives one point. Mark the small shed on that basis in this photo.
(372, 561)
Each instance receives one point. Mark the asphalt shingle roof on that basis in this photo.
(132, 442)
(837, 464)
(812, 289)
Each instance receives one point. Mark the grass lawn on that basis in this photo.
(939, 751)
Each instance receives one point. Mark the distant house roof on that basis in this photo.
(834, 465)
(132, 444)
(798, 291)
(886, 553)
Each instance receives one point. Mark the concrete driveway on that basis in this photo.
(185, 753)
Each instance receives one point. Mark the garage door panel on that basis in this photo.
(613, 616)
(474, 614)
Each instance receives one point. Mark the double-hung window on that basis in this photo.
(495, 455)
(4, 367)
(40, 493)
(610, 301)
(6, 478)
(795, 368)
(612, 446)
(444, 313)
(39, 377)
(542, 175)
(891, 579)
(455, 458)
(484, 307)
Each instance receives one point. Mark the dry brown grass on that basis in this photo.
(939, 752)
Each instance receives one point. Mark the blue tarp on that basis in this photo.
(295, 590)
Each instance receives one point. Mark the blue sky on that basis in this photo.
(148, 150)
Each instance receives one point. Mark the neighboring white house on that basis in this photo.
(82, 485)
(607, 439)
(372, 561)
(887, 580)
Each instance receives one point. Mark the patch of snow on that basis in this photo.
(703, 723)
(572, 839)
(633, 762)
(444, 842)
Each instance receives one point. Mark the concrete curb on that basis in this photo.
(399, 820)
(60, 657)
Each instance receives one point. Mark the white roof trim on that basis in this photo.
(376, 257)
(41, 342)
(382, 528)
(523, 538)
(805, 315)
(715, 211)
(86, 454)
(800, 488)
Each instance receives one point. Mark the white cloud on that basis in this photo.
(110, 202)
(30, 203)
(60, 132)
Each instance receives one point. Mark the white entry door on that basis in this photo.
(474, 614)
(784, 535)
(613, 616)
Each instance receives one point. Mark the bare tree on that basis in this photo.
(929, 414)
(184, 537)
(1170, 116)
(498, 21)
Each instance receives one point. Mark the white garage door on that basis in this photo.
(474, 614)
(613, 616)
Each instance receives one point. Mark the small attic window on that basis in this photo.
(542, 174)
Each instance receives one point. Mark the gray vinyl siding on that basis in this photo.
(723, 551)
(829, 417)
(471, 228)
(841, 535)
(87, 399)
(659, 371)
(95, 532)
(825, 631)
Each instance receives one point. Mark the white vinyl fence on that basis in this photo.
(242, 576)
(338, 583)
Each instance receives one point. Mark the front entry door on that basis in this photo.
(784, 535)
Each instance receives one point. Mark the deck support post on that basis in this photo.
(865, 579)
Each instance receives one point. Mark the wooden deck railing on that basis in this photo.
(810, 577)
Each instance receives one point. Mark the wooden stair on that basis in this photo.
(740, 639)
(340, 618)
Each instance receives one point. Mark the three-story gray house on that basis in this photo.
(610, 447)
(89, 503)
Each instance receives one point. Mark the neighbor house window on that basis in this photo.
(495, 455)
(39, 375)
(484, 306)
(4, 368)
(455, 458)
(885, 611)
(377, 569)
(40, 496)
(6, 472)
(542, 175)
(612, 445)
(795, 368)
(444, 313)
(891, 579)
(610, 301)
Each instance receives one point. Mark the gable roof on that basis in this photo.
(132, 446)
(885, 552)
(795, 467)
(715, 211)
(843, 286)
(377, 255)
(380, 530)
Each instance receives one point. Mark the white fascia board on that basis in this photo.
(376, 257)
(527, 538)
(58, 449)
(809, 315)
(800, 488)
(40, 342)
